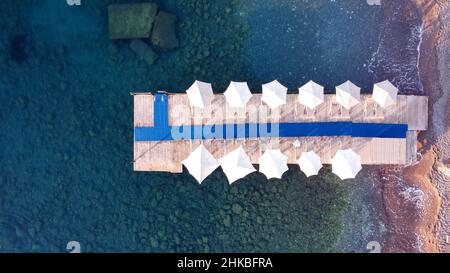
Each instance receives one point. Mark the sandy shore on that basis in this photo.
(416, 198)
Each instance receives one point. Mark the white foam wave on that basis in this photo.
(397, 56)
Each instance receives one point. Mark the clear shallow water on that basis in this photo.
(66, 130)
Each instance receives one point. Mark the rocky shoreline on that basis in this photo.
(415, 198)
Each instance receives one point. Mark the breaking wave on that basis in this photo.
(398, 53)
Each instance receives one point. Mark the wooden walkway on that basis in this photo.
(167, 155)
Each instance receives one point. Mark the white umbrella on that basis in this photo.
(273, 164)
(274, 94)
(200, 163)
(238, 94)
(200, 94)
(309, 163)
(348, 94)
(311, 95)
(385, 93)
(236, 165)
(346, 164)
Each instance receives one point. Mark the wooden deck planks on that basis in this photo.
(167, 156)
(409, 109)
(143, 110)
(417, 112)
(160, 156)
(411, 147)
(179, 110)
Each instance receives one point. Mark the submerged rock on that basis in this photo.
(227, 221)
(164, 32)
(144, 51)
(130, 21)
(154, 243)
(237, 208)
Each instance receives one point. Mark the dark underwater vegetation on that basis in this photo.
(67, 126)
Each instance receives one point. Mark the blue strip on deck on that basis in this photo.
(162, 131)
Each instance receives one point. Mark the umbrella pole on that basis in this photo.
(295, 107)
(365, 108)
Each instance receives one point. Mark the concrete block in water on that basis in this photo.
(164, 32)
(130, 21)
(144, 51)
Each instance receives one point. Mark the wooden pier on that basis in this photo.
(167, 155)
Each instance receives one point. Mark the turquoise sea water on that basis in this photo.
(66, 130)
